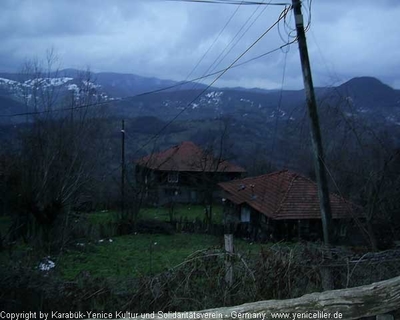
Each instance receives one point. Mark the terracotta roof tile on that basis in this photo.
(284, 195)
(187, 157)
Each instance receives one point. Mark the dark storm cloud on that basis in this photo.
(167, 39)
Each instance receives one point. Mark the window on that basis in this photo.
(245, 214)
(193, 196)
(343, 230)
(173, 177)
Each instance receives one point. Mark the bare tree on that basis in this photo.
(59, 153)
(360, 161)
(213, 166)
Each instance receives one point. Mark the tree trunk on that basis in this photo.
(371, 236)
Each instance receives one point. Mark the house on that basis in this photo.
(184, 173)
(282, 205)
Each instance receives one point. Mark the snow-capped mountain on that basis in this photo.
(25, 91)
(131, 96)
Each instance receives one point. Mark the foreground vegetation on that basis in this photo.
(99, 268)
(153, 272)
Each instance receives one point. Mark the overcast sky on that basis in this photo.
(167, 39)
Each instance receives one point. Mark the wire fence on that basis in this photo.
(280, 271)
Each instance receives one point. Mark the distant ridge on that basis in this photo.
(366, 83)
(369, 92)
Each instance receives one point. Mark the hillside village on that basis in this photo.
(199, 193)
(254, 189)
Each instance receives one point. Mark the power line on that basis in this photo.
(284, 12)
(194, 85)
(234, 2)
(278, 108)
(211, 68)
(215, 40)
(218, 60)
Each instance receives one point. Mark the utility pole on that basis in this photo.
(123, 167)
(323, 192)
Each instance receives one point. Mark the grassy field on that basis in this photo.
(102, 217)
(133, 255)
(143, 254)
(127, 256)
(140, 254)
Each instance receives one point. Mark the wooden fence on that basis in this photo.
(240, 230)
(354, 303)
(197, 226)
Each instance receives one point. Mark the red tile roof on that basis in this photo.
(187, 157)
(284, 195)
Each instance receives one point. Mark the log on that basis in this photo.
(353, 303)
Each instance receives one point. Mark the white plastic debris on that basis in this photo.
(46, 265)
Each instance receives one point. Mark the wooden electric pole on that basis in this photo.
(123, 167)
(323, 192)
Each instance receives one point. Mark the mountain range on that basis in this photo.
(257, 117)
(137, 95)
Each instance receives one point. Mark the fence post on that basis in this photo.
(228, 266)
